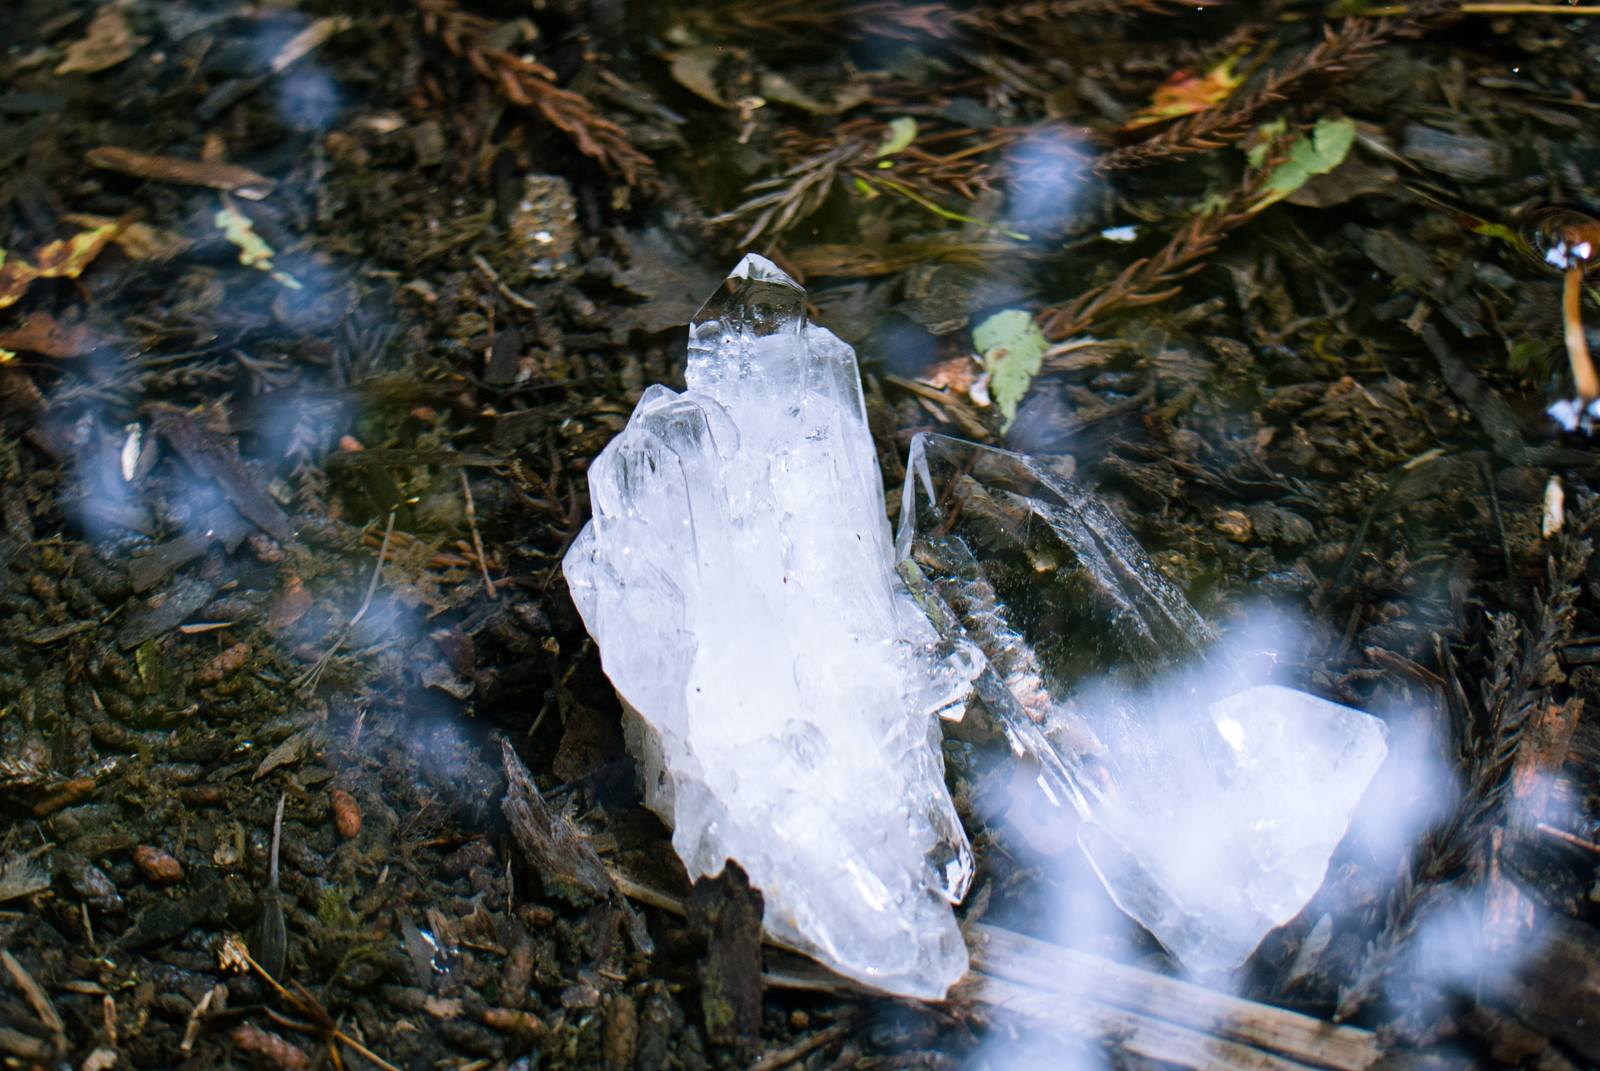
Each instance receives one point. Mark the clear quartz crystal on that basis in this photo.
(738, 576)
(1210, 803)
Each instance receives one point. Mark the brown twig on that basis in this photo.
(791, 1054)
(236, 956)
(37, 999)
(1568, 838)
(477, 540)
(1147, 280)
(530, 84)
(309, 678)
(1159, 276)
(1338, 53)
(852, 151)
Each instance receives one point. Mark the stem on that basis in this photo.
(1583, 371)
(1491, 9)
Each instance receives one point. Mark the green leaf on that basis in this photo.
(1256, 154)
(1501, 232)
(1012, 347)
(902, 132)
(1313, 154)
(1528, 358)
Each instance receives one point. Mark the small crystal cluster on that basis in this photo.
(1209, 803)
(784, 662)
(738, 575)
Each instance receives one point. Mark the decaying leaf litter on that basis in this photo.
(313, 318)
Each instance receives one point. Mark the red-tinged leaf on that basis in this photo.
(1185, 94)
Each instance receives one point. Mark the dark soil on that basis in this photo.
(483, 229)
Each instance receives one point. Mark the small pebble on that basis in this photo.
(580, 996)
(271, 1047)
(1461, 156)
(346, 813)
(224, 664)
(513, 1021)
(158, 866)
(536, 916)
(92, 884)
(1235, 525)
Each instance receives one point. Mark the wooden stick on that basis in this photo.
(35, 995)
(1088, 996)
(773, 1061)
(1570, 838)
(1130, 1031)
(477, 541)
(1047, 968)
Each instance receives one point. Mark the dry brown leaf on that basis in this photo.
(288, 604)
(42, 334)
(287, 753)
(109, 42)
(139, 240)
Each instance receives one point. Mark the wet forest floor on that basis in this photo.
(312, 316)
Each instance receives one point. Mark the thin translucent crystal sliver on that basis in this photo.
(738, 576)
(1209, 803)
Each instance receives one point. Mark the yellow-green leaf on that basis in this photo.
(1312, 154)
(1255, 153)
(253, 251)
(902, 132)
(1013, 348)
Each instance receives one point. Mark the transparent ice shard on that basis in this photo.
(1210, 804)
(738, 576)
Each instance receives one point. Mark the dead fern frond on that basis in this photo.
(858, 262)
(1036, 12)
(1522, 669)
(1159, 276)
(902, 21)
(917, 172)
(529, 84)
(1336, 55)
(1147, 280)
(835, 18)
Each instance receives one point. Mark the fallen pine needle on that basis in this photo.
(1491, 9)
(1570, 838)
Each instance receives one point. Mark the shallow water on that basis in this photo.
(292, 440)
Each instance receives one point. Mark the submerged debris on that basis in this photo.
(1334, 403)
